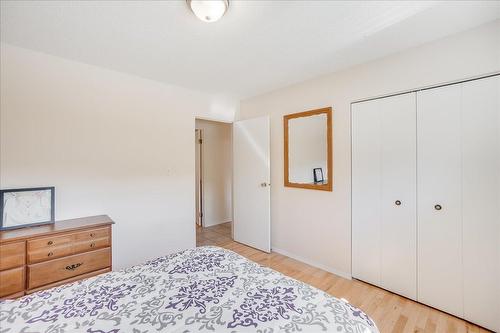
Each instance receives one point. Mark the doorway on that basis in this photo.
(213, 179)
(233, 188)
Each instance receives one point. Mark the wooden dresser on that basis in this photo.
(37, 258)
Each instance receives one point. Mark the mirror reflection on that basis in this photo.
(307, 149)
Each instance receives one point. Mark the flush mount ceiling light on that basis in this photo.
(208, 10)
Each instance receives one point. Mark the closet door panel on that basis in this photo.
(366, 187)
(383, 174)
(481, 201)
(398, 184)
(439, 177)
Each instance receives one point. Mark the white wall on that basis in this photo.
(315, 226)
(110, 143)
(217, 171)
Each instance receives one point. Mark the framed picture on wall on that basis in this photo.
(26, 207)
(318, 175)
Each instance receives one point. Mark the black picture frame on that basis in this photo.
(52, 206)
(318, 175)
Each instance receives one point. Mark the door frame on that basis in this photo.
(199, 202)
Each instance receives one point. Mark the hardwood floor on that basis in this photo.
(392, 313)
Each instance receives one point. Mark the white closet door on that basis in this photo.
(383, 193)
(398, 207)
(439, 170)
(366, 188)
(481, 201)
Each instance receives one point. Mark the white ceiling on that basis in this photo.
(258, 46)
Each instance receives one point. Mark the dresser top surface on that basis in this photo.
(57, 227)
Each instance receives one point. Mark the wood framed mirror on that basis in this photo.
(308, 149)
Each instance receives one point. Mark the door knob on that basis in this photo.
(438, 207)
(398, 202)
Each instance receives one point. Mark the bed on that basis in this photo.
(205, 289)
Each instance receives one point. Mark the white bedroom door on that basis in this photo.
(251, 183)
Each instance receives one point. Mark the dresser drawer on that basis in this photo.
(49, 253)
(11, 281)
(67, 267)
(48, 243)
(92, 234)
(48, 248)
(12, 255)
(70, 280)
(89, 245)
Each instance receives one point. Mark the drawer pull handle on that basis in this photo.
(50, 242)
(92, 234)
(50, 254)
(74, 266)
(398, 202)
(438, 207)
(92, 245)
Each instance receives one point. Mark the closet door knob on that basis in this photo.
(438, 207)
(398, 202)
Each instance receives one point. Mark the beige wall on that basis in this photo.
(217, 171)
(110, 143)
(315, 226)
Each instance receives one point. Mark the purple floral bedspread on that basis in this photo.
(206, 289)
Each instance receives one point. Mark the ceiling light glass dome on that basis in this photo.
(208, 10)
